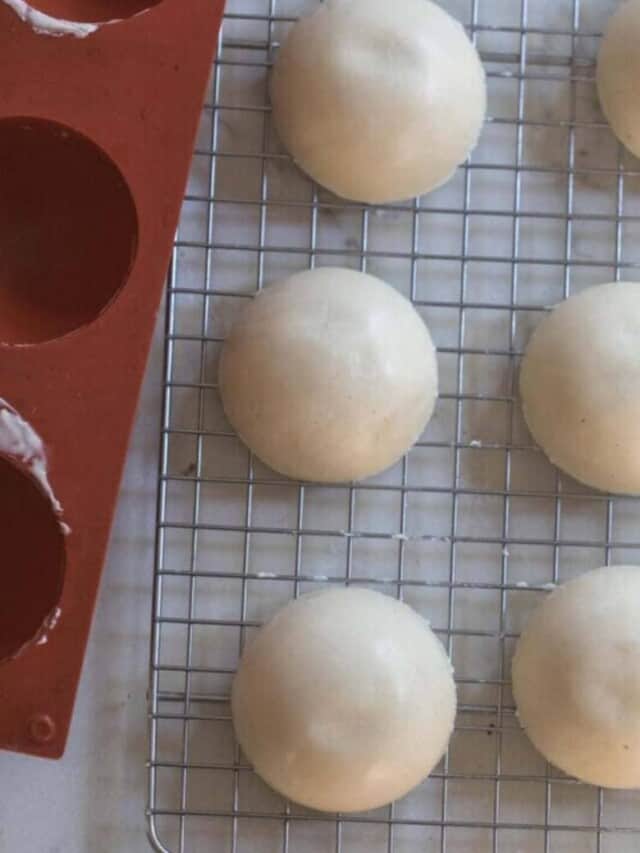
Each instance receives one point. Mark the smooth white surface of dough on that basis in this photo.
(619, 75)
(576, 678)
(379, 101)
(345, 701)
(329, 376)
(580, 387)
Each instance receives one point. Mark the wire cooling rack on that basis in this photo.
(471, 528)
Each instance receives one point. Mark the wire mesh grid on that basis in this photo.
(473, 526)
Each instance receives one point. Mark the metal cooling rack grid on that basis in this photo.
(472, 525)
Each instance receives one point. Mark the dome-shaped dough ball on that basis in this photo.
(576, 678)
(378, 101)
(619, 75)
(345, 701)
(580, 387)
(329, 376)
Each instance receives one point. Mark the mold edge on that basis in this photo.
(19, 440)
(47, 25)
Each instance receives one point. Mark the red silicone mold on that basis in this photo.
(96, 137)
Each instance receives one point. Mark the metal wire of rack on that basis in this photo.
(473, 526)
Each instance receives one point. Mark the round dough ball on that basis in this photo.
(619, 75)
(345, 701)
(379, 101)
(329, 376)
(576, 678)
(580, 386)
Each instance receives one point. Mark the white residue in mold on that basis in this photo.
(53, 620)
(49, 624)
(522, 585)
(19, 440)
(475, 443)
(47, 25)
(550, 586)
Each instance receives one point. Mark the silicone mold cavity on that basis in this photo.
(68, 228)
(33, 560)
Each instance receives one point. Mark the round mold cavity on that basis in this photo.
(68, 230)
(33, 559)
(92, 11)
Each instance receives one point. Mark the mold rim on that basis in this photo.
(45, 24)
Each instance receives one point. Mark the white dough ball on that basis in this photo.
(619, 75)
(329, 376)
(580, 387)
(576, 678)
(345, 701)
(379, 101)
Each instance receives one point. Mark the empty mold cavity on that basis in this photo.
(33, 560)
(68, 230)
(85, 11)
